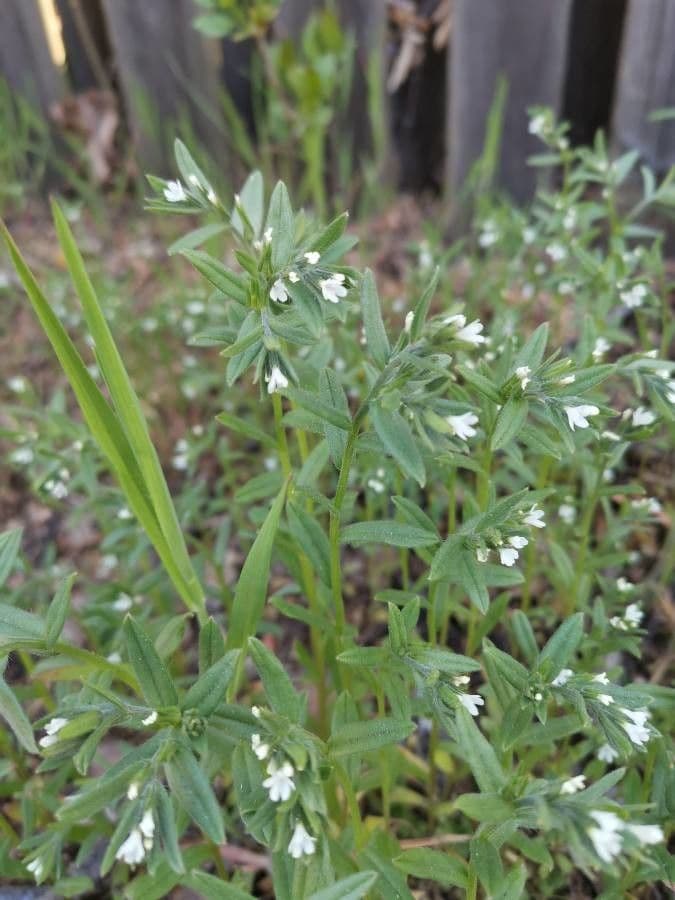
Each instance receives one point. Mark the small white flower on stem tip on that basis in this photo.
(556, 252)
(570, 219)
(522, 373)
(567, 379)
(610, 436)
(517, 541)
(260, 749)
(508, 556)
(36, 868)
(529, 234)
(535, 518)
(576, 415)
(624, 585)
(275, 380)
(174, 192)
(280, 784)
(132, 791)
(293, 277)
(301, 843)
(646, 834)
(573, 785)
(642, 416)
(635, 726)
(194, 181)
(278, 291)
(607, 753)
(471, 333)
(634, 297)
(267, 236)
(607, 838)
(482, 554)
(312, 257)
(132, 851)
(538, 125)
(562, 677)
(333, 288)
(255, 712)
(462, 426)
(601, 678)
(567, 513)
(211, 196)
(409, 319)
(123, 603)
(460, 680)
(376, 485)
(471, 702)
(151, 718)
(633, 615)
(600, 348)
(605, 699)
(52, 729)
(147, 828)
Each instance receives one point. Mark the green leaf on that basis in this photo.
(191, 789)
(207, 693)
(57, 612)
(353, 887)
(310, 539)
(252, 201)
(197, 236)
(13, 714)
(17, 624)
(509, 668)
(153, 676)
(434, 865)
(398, 440)
(168, 835)
(187, 167)
(423, 305)
(245, 428)
(212, 888)
(10, 541)
(280, 220)
(485, 807)
(562, 643)
(363, 737)
(211, 645)
(333, 395)
(330, 234)
(387, 531)
(316, 405)
(532, 352)
(217, 274)
(444, 563)
(510, 420)
(251, 590)
(478, 753)
(443, 660)
(468, 574)
(376, 336)
(279, 689)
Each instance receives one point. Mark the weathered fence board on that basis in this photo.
(647, 82)
(526, 41)
(25, 61)
(166, 74)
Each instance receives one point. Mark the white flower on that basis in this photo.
(646, 834)
(195, 308)
(507, 556)
(567, 513)
(529, 234)
(260, 749)
(633, 615)
(573, 785)
(605, 699)
(642, 416)
(556, 252)
(607, 753)
(132, 851)
(409, 319)
(471, 702)
(132, 791)
(488, 236)
(376, 485)
(275, 380)
(278, 291)
(518, 541)
(302, 843)
(522, 373)
(114, 657)
(293, 277)
(600, 348)
(36, 868)
(535, 518)
(255, 712)
(124, 513)
(52, 729)
(460, 680)
(562, 677)
(471, 333)
(147, 829)
(601, 678)
(576, 415)
(607, 838)
(538, 125)
(267, 236)
(570, 219)
(634, 726)
(280, 784)
(333, 288)
(174, 192)
(194, 181)
(123, 603)
(17, 384)
(312, 257)
(462, 426)
(22, 456)
(151, 718)
(634, 297)
(482, 554)
(567, 379)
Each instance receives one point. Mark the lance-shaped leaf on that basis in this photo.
(57, 612)
(478, 753)
(435, 865)
(388, 531)
(376, 336)
(10, 541)
(208, 691)
(363, 737)
(279, 689)
(353, 887)
(394, 432)
(13, 714)
(191, 789)
(153, 676)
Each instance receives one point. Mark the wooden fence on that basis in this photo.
(600, 63)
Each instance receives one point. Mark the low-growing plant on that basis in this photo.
(444, 714)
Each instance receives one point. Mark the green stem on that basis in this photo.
(282, 442)
(585, 530)
(334, 531)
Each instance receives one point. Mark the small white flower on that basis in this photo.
(642, 416)
(52, 729)
(461, 680)
(567, 513)
(633, 615)
(482, 554)
(151, 718)
(508, 556)
(301, 843)
(573, 785)
(260, 749)
(522, 373)
(601, 678)
(312, 257)
(194, 181)
(635, 726)
(22, 456)
(275, 380)
(534, 518)
(624, 585)
(174, 192)
(600, 348)
(124, 513)
(567, 379)
(409, 319)
(211, 196)
(132, 791)
(280, 784)
(278, 291)
(267, 236)
(634, 297)
(605, 699)
(132, 851)
(570, 219)
(462, 425)
(333, 288)
(255, 712)
(471, 333)
(114, 657)
(639, 716)
(565, 287)
(518, 541)
(576, 415)
(610, 436)
(539, 696)
(471, 702)
(562, 677)
(607, 838)
(123, 603)
(646, 834)
(147, 828)
(538, 125)
(376, 485)
(36, 868)
(293, 277)
(556, 252)
(529, 235)
(488, 236)
(195, 308)
(607, 753)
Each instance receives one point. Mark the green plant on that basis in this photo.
(418, 466)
